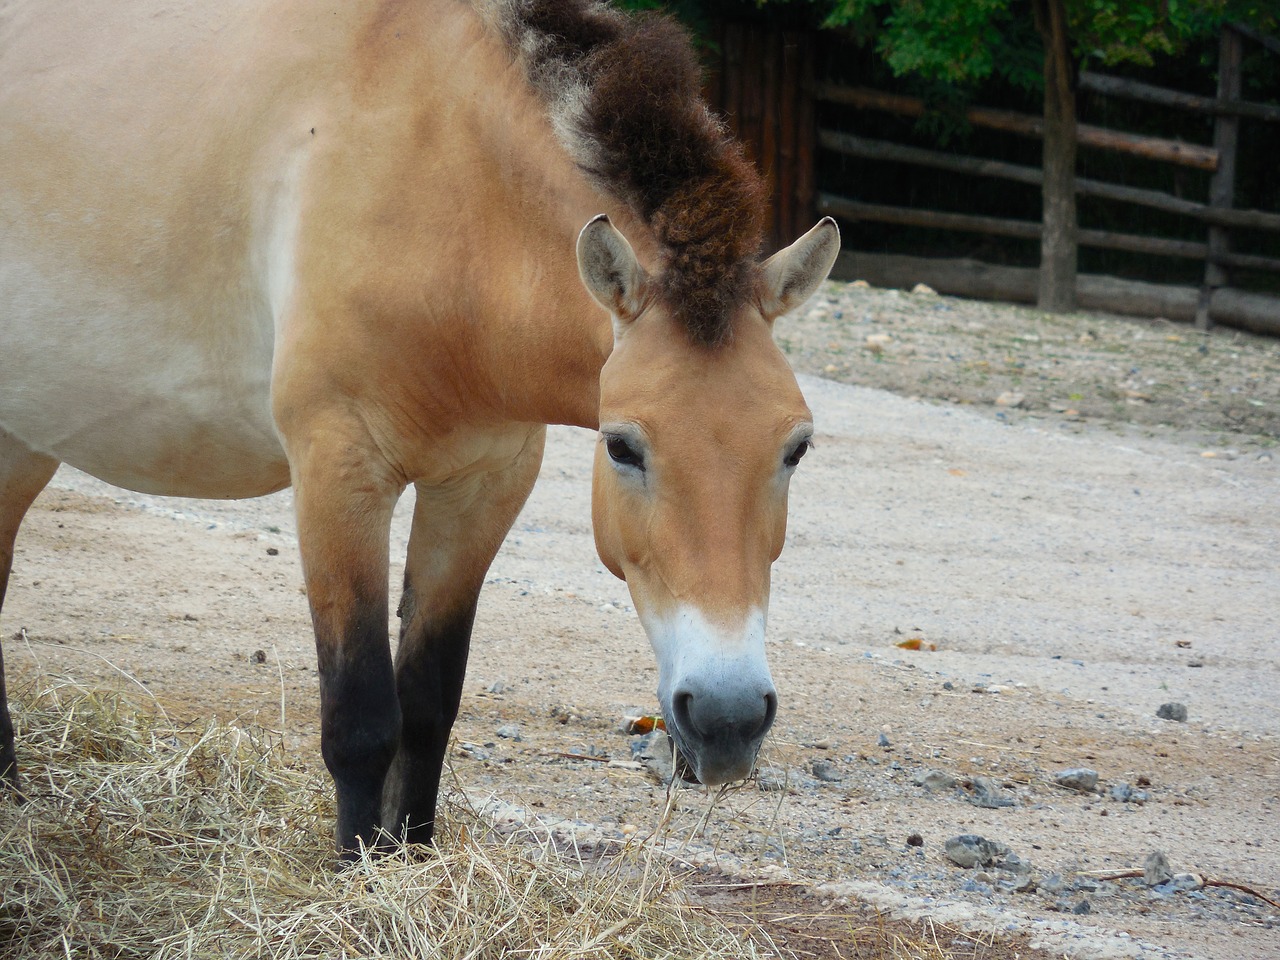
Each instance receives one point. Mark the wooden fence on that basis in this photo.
(766, 88)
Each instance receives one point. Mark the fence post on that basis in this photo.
(1226, 134)
(1059, 250)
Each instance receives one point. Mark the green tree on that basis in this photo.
(963, 42)
(1029, 43)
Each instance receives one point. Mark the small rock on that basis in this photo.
(934, 780)
(496, 687)
(654, 751)
(771, 779)
(826, 771)
(272, 552)
(1053, 884)
(923, 289)
(1083, 779)
(1126, 794)
(1173, 711)
(986, 794)
(1010, 399)
(510, 731)
(1182, 881)
(882, 741)
(970, 850)
(1083, 907)
(259, 656)
(1022, 883)
(915, 840)
(1156, 870)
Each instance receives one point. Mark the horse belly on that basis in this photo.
(119, 396)
(148, 168)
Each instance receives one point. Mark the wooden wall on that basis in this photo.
(764, 89)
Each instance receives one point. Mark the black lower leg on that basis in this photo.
(430, 667)
(360, 725)
(8, 757)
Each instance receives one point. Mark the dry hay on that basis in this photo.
(143, 839)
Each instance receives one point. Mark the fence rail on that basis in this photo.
(766, 87)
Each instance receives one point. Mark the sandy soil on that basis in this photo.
(1073, 576)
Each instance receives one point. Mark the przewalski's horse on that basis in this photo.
(251, 244)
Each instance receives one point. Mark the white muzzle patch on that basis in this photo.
(716, 692)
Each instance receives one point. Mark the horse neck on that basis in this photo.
(547, 339)
(520, 327)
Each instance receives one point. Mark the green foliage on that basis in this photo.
(963, 42)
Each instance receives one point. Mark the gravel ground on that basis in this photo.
(1062, 574)
(1219, 389)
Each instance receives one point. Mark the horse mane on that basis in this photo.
(624, 95)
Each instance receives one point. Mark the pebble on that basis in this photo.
(1179, 883)
(771, 779)
(1126, 794)
(1084, 779)
(934, 780)
(654, 751)
(970, 850)
(826, 771)
(882, 741)
(1173, 711)
(986, 794)
(1053, 884)
(510, 731)
(1156, 869)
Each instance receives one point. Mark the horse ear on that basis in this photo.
(611, 272)
(791, 276)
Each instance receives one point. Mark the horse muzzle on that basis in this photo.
(718, 698)
(717, 737)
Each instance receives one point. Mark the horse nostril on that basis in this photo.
(770, 711)
(682, 707)
(747, 723)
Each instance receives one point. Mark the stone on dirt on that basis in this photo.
(986, 793)
(970, 850)
(1173, 711)
(826, 771)
(1084, 779)
(1156, 869)
(934, 780)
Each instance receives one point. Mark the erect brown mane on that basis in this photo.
(624, 95)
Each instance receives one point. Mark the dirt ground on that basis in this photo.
(1073, 518)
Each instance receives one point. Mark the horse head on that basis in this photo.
(698, 442)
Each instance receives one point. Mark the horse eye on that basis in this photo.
(794, 457)
(620, 452)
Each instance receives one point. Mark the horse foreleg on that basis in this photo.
(344, 500)
(23, 474)
(457, 529)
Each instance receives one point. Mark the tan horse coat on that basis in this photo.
(244, 245)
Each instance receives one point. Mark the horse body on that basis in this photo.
(255, 245)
